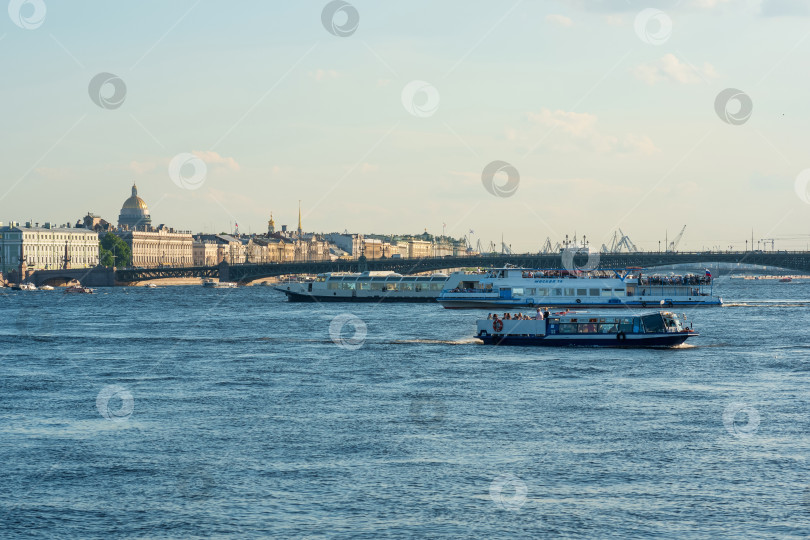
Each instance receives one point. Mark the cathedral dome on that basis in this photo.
(134, 212)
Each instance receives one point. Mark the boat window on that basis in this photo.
(377, 286)
(608, 328)
(378, 278)
(626, 325)
(349, 286)
(406, 286)
(607, 292)
(620, 291)
(582, 292)
(391, 287)
(568, 328)
(423, 279)
(409, 278)
(530, 292)
(570, 292)
(364, 286)
(542, 292)
(438, 278)
(436, 286)
(653, 323)
(393, 278)
(333, 286)
(593, 292)
(586, 328)
(556, 292)
(517, 291)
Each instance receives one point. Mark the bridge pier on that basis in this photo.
(224, 271)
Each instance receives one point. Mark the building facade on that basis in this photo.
(159, 247)
(47, 247)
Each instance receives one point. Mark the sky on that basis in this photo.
(384, 117)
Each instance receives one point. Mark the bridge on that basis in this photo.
(789, 260)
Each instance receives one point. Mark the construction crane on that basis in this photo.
(626, 243)
(505, 250)
(674, 244)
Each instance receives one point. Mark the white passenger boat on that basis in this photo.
(24, 287)
(214, 284)
(513, 287)
(369, 287)
(652, 329)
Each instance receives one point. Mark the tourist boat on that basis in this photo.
(369, 286)
(579, 328)
(523, 287)
(786, 279)
(214, 284)
(78, 289)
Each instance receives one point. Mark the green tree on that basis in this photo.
(113, 251)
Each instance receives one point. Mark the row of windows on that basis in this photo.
(376, 286)
(518, 291)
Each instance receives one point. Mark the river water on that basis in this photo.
(184, 411)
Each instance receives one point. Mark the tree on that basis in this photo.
(113, 251)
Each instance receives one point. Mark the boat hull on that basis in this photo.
(630, 341)
(304, 297)
(511, 304)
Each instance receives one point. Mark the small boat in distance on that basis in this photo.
(579, 328)
(24, 287)
(46, 288)
(78, 289)
(214, 284)
(786, 279)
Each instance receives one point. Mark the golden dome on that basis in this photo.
(135, 202)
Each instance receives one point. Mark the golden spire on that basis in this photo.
(271, 225)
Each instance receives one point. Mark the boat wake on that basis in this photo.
(770, 304)
(465, 341)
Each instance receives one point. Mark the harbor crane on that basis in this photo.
(619, 242)
(674, 244)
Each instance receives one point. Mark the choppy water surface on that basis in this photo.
(183, 411)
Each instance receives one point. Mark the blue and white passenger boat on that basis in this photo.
(524, 287)
(652, 329)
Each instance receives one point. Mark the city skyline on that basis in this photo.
(389, 128)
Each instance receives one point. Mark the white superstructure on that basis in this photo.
(513, 287)
(369, 287)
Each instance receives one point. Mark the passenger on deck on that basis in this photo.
(489, 317)
(546, 314)
(539, 315)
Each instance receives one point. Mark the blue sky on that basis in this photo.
(605, 129)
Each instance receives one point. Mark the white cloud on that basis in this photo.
(212, 158)
(142, 167)
(324, 74)
(582, 132)
(670, 68)
(559, 20)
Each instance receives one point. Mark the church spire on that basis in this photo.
(271, 225)
(300, 231)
